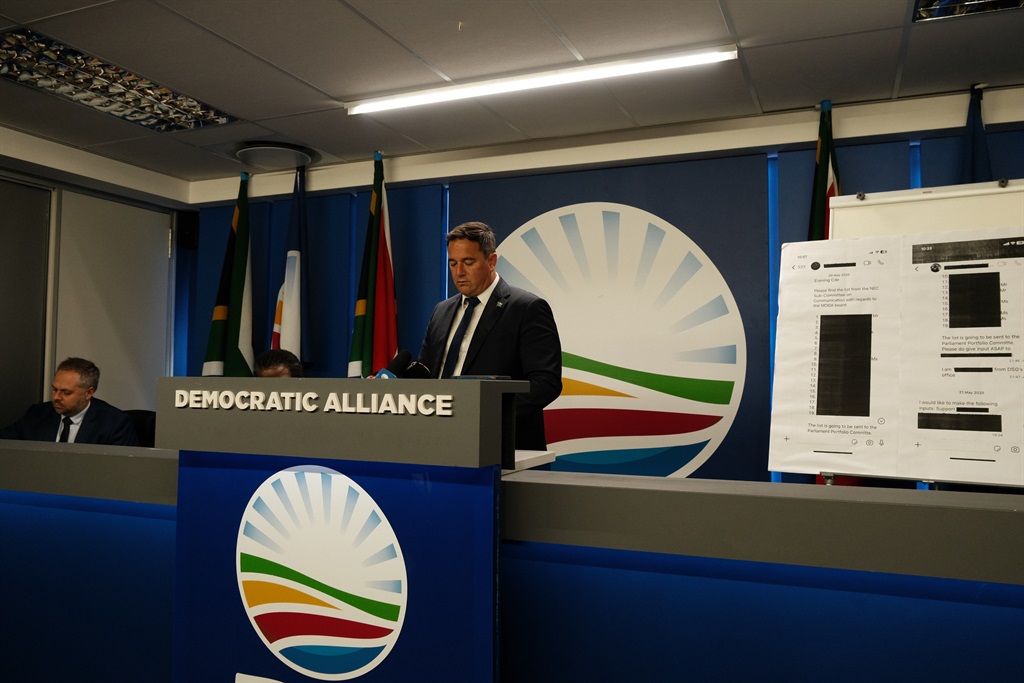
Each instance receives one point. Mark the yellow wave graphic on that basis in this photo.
(575, 387)
(264, 592)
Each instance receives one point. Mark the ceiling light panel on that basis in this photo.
(545, 79)
(927, 10)
(37, 61)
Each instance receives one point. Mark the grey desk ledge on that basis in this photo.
(944, 534)
(133, 474)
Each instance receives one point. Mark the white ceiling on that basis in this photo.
(284, 67)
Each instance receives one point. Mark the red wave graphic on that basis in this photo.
(278, 625)
(580, 423)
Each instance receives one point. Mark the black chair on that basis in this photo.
(145, 426)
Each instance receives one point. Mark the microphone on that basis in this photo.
(395, 367)
(417, 370)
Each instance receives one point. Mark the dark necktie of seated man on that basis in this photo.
(66, 432)
(453, 349)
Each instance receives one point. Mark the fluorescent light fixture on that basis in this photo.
(40, 62)
(574, 74)
(929, 10)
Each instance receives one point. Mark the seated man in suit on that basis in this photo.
(508, 331)
(74, 415)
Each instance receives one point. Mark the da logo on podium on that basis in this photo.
(321, 573)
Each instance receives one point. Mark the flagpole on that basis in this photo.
(826, 176)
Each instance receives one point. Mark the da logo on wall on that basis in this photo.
(321, 573)
(653, 348)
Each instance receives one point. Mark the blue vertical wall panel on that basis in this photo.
(878, 167)
(417, 236)
(330, 293)
(796, 178)
(941, 157)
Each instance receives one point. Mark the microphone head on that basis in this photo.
(417, 370)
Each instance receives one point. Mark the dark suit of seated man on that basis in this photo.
(511, 332)
(74, 415)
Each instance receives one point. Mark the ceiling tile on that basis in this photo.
(578, 109)
(25, 11)
(285, 68)
(951, 55)
(626, 27)
(844, 69)
(470, 39)
(711, 91)
(56, 118)
(450, 125)
(185, 58)
(353, 138)
(338, 52)
(782, 21)
(166, 155)
(212, 135)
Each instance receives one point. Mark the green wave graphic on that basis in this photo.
(715, 391)
(259, 565)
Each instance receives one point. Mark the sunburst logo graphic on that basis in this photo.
(653, 348)
(321, 573)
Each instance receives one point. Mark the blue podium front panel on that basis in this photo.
(296, 569)
(86, 589)
(639, 616)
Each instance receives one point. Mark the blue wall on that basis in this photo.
(738, 208)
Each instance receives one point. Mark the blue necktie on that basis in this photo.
(456, 345)
(66, 432)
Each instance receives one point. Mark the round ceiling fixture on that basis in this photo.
(276, 155)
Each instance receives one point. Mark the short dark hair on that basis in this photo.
(275, 358)
(474, 231)
(88, 373)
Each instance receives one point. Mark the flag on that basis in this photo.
(976, 167)
(375, 329)
(229, 349)
(826, 176)
(291, 322)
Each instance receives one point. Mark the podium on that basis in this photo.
(332, 529)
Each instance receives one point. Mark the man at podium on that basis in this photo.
(491, 328)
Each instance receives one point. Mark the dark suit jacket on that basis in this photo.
(516, 337)
(103, 424)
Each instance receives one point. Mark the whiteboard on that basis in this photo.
(932, 209)
(901, 356)
(983, 389)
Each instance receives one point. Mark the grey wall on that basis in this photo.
(113, 301)
(24, 236)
